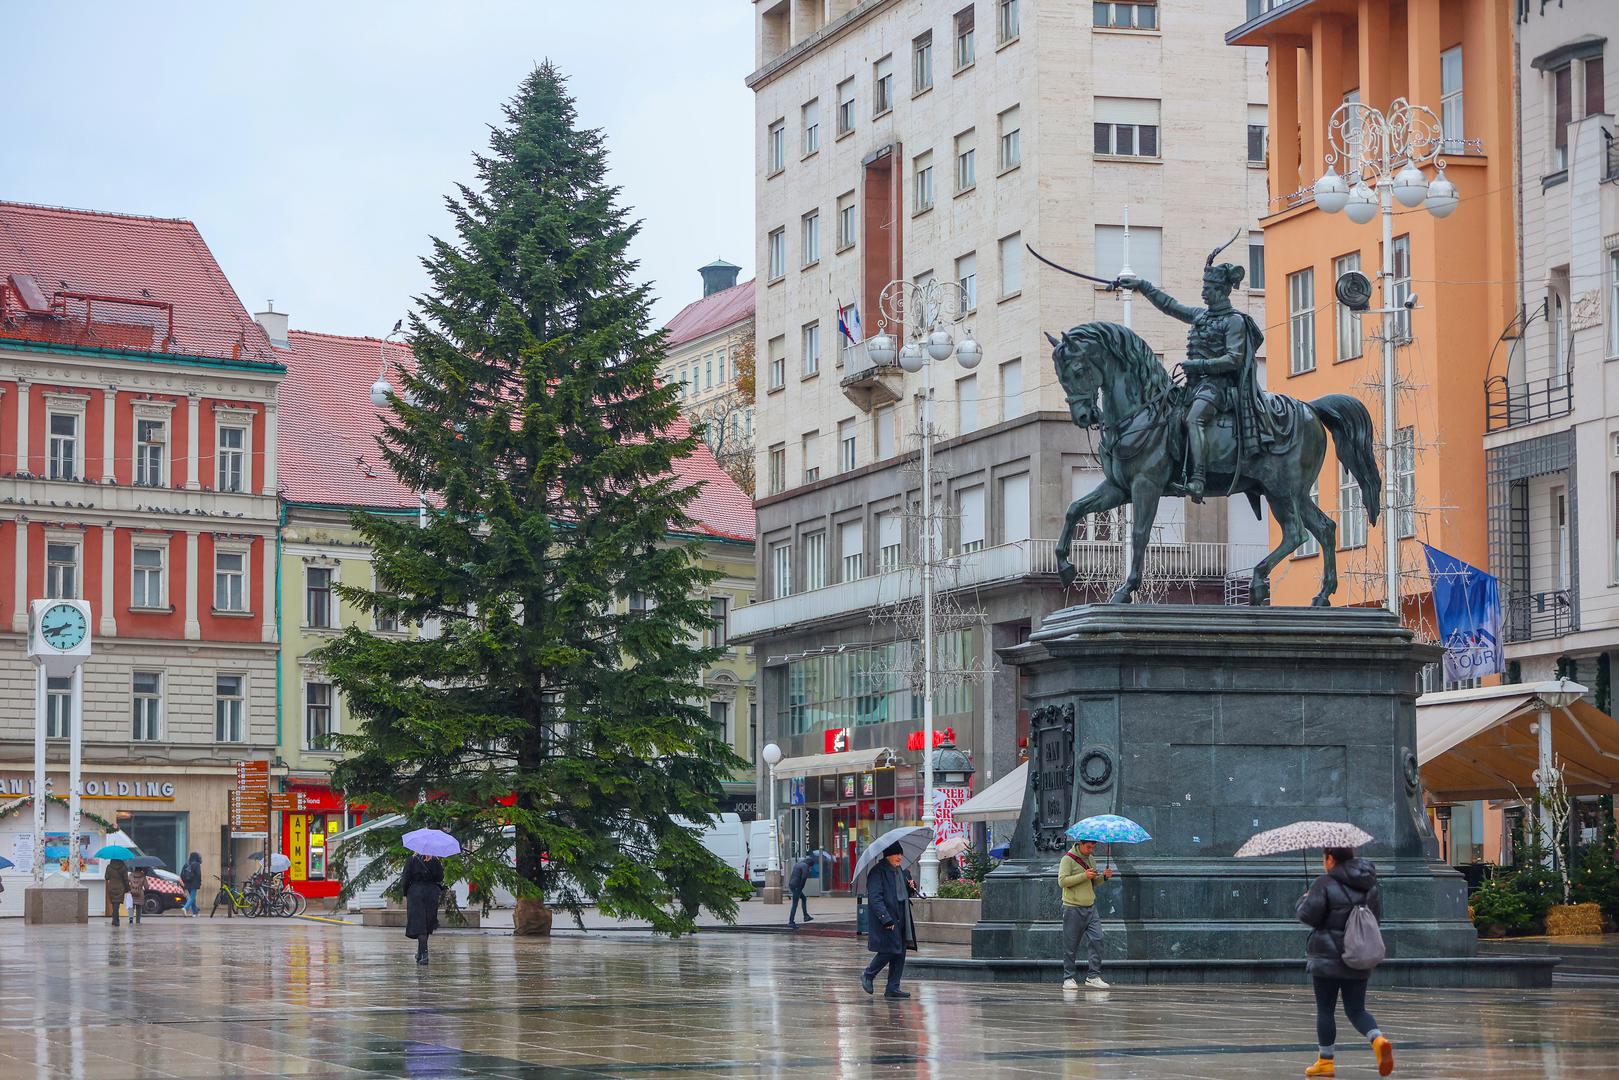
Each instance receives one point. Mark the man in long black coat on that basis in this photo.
(889, 930)
(424, 886)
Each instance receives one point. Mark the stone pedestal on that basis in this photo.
(1207, 725)
(44, 906)
(771, 892)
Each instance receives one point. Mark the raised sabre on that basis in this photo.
(1111, 285)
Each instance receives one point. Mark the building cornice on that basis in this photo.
(825, 36)
(263, 368)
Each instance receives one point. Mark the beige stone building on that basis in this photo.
(707, 343)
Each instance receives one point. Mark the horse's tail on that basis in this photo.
(1351, 427)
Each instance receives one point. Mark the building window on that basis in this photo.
(890, 541)
(1613, 303)
(318, 726)
(1006, 21)
(1405, 480)
(232, 458)
(58, 706)
(778, 254)
(851, 550)
(964, 37)
(228, 705)
(1256, 144)
(882, 85)
(1595, 98)
(146, 722)
(967, 277)
(1127, 127)
(845, 106)
(1450, 99)
(1131, 15)
(149, 444)
(63, 446)
(966, 160)
(1146, 251)
(1400, 287)
(1011, 389)
(61, 571)
(1014, 492)
(922, 63)
(815, 561)
(778, 362)
(1351, 511)
(147, 578)
(967, 403)
(810, 237)
(778, 468)
(318, 608)
(922, 183)
(970, 503)
(230, 581)
(883, 423)
(1562, 115)
(846, 221)
(1256, 262)
(776, 148)
(1345, 322)
(708, 372)
(385, 622)
(1011, 139)
(719, 622)
(1011, 264)
(810, 336)
(846, 445)
(719, 716)
(1311, 545)
(781, 569)
(810, 121)
(1301, 321)
(809, 450)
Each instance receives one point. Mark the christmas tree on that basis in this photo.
(556, 687)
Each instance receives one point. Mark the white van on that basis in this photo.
(759, 851)
(725, 836)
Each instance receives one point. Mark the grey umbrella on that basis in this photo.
(912, 839)
(1303, 836)
(148, 862)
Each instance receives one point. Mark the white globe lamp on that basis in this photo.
(1331, 192)
(881, 349)
(379, 393)
(1442, 197)
(1410, 186)
(1362, 204)
(910, 357)
(940, 344)
(969, 353)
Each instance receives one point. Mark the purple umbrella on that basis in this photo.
(432, 842)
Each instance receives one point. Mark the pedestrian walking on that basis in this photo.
(423, 886)
(1326, 908)
(1078, 877)
(191, 878)
(889, 929)
(796, 880)
(137, 893)
(116, 882)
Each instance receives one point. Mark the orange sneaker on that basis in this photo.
(1385, 1055)
(1322, 1067)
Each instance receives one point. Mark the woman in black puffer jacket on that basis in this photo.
(1325, 909)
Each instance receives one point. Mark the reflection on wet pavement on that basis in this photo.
(201, 998)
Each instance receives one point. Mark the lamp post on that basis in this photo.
(1388, 149)
(771, 754)
(937, 306)
(1557, 694)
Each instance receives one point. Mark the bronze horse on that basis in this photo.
(1143, 453)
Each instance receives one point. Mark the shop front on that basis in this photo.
(303, 836)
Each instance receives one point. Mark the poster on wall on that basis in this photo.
(22, 852)
(945, 801)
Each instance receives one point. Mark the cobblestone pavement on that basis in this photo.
(194, 998)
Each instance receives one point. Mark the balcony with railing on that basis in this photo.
(1610, 157)
(868, 384)
(1510, 405)
(1534, 616)
(1195, 563)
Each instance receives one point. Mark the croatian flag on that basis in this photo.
(849, 323)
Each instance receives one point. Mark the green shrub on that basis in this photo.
(975, 865)
(1596, 878)
(964, 889)
(1539, 887)
(1497, 902)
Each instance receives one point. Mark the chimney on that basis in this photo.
(274, 323)
(718, 275)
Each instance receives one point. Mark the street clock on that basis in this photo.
(59, 634)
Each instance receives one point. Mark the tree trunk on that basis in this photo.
(532, 918)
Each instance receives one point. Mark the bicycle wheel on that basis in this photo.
(284, 905)
(303, 903)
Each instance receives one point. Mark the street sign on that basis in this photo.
(289, 802)
(250, 802)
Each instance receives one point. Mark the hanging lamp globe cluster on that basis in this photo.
(937, 345)
(1411, 187)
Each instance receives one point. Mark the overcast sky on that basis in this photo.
(313, 143)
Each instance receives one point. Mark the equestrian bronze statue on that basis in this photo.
(1218, 431)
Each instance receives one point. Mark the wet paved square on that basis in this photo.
(201, 998)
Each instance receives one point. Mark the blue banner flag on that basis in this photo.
(1468, 604)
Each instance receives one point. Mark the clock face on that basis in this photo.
(63, 627)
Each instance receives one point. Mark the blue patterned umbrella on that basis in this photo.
(1108, 829)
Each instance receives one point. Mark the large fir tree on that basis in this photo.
(534, 424)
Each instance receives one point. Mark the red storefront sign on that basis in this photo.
(837, 740)
(916, 739)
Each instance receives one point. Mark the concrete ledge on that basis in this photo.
(43, 906)
(1476, 972)
(395, 918)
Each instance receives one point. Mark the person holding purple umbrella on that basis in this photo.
(423, 883)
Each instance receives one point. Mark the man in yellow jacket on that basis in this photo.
(1078, 875)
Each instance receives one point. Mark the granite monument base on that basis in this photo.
(1207, 725)
(47, 906)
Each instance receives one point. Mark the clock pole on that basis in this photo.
(75, 742)
(59, 644)
(39, 773)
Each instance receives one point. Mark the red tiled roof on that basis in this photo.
(711, 313)
(328, 427)
(148, 262)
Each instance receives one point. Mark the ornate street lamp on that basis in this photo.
(926, 314)
(1386, 152)
(770, 753)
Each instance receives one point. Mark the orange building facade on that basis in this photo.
(1454, 57)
